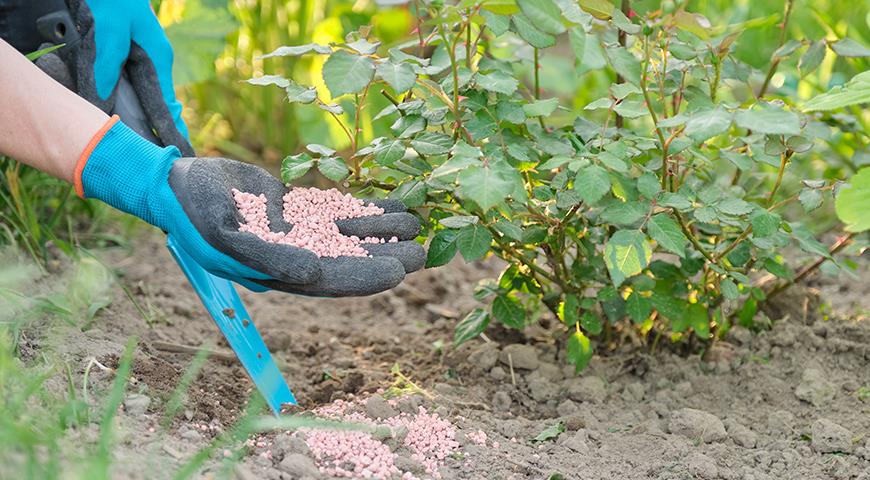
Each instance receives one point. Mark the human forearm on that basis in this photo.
(42, 124)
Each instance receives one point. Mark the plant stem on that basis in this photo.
(775, 62)
(537, 76)
(692, 238)
(625, 7)
(468, 39)
(783, 161)
(812, 267)
(652, 113)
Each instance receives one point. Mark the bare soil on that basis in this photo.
(788, 403)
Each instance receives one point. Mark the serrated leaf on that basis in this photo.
(442, 248)
(648, 185)
(363, 46)
(813, 57)
(577, 40)
(484, 186)
(295, 51)
(707, 124)
(850, 48)
(508, 310)
(623, 213)
(665, 230)
(332, 168)
(295, 166)
(734, 206)
(810, 199)
(855, 91)
(600, 9)
(625, 64)
(697, 318)
(345, 73)
(473, 242)
(772, 121)
(579, 351)
(786, 49)
(626, 254)
(389, 153)
(764, 223)
(536, 38)
(741, 161)
(300, 94)
(729, 289)
(497, 24)
(458, 221)
(497, 81)
(592, 183)
(331, 108)
(853, 202)
(541, 108)
(412, 193)
(400, 76)
(591, 322)
(501, 7)
(544, 14)
(509, 230)
(471, 326)
(432, 143)
(569, 310)
(638, 307)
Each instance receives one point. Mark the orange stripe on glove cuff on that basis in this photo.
(86, 154)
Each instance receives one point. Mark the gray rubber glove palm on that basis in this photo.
(203, 188)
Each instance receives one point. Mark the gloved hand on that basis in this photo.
(191, 199)
(118, 36)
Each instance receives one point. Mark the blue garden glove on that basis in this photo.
(118, 36)
(191, 199)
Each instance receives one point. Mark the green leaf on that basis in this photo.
(498, 24)
(541, 108)
(471, 326)
(810, 199)
(707, 124)
(331, 108)
(592, 183)
(638, 307)
(411, 193)
(266, 80)
(497, 81)
(484, 186)
(853, 202)
(319, 149)
(300, 94)
(729, 289)
(295, 166)
(741, 161)
(363, 46)
(813, 57)
(625, 64)
(850, 48)
(665, 230)
(400, 76)
(697, 318)
(773, 121)
(855, 91)
(508, 310)
(442, 248)
(501, 7)
(734, 206)
(626, 254)
(432, 143)
(600, 9)
(333, 168)
(295, 51)
(473, 241)
(623, 213)
(198, 40)
(591, 322)
(345, 73)
(577, 39)
(579, 351)
(624, 23)
(458, 221)
(764, 223)
(786, 49)
(569, 310)
(536, 38)
(43, 51)
(389, 153)
(648, 185)
(544, 14)
(509, 230)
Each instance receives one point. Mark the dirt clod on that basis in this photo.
(378, 408)
(697, 425)
(815, 388)
(829, 437)
(299, 466)
(520, 356)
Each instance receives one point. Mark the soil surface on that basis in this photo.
(789, 403)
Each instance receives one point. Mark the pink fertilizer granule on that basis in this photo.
(313, 214)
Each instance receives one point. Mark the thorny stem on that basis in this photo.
(652, 113)
(451, 53)
(692, 238)
(807, 270)
(360, 100)
(625, 7)
(783, 161)
(775, 62)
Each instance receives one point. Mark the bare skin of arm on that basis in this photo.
(42, 124)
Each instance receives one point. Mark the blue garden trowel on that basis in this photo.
(217, 294)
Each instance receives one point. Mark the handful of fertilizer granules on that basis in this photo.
(313, 213)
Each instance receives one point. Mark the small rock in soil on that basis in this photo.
(567, 407)
(829, 437)
(298, 465)
(740, 434)
(378, 408)
(523, 357)
(697, 425)
(815, 388)
(573, 422)
(497, 373)
(484, 356)
(781, 422)
(550, 372)
(410, 404)
(189, 434)
(540, 388)
(702, 466)
(501, 401)
(407, 464)
(576, 441)
(587, 389)
(136, 404)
